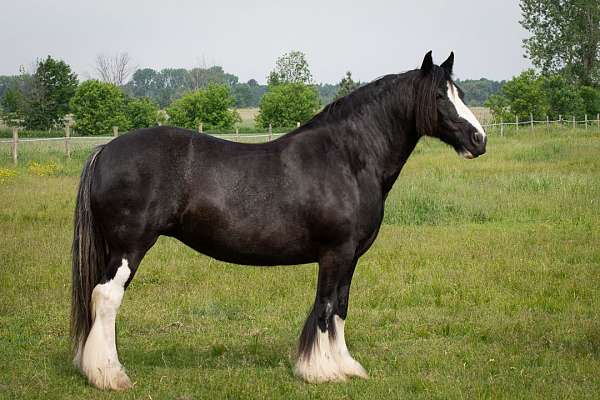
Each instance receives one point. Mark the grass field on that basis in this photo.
(483, 283)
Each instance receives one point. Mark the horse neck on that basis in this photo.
(380, 133)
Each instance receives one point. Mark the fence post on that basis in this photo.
(67, 136)
(501, 127)
(237, 133)
(270, 132)
(598, 120)
(15, 132)
(517, 122)
(297, 124)
(115, 131)
(586, 122)
(559, 120)
(531, 122)
(200, 127)
(573, 121)
(547, 124)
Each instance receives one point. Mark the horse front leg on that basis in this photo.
(323, 355)
(348, 365)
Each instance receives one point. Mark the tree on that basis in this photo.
(11, 106)
(6, 83)
(210, 107)
(46, 94)
(285, 104)
(200, 78)
(143, 83)
(115, 69)
(591, 99)
(565, 37)
(243, 95)
(291, 67)
(142, 113)
(523, 95)
(560, 96)
(478, 91)
(97, 107)
(346, 86)
(327, 92)
(171, 84)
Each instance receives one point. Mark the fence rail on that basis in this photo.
(493, 127)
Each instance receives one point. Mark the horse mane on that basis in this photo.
(387, 94)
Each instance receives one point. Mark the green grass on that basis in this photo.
(483, 283)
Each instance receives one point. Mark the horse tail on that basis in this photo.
(89, 255)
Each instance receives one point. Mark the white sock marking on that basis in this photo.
(99, 359)
(348, 365)
(329, 359)
(462, 110)
(319, 365)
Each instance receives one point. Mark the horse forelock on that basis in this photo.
(426, 112)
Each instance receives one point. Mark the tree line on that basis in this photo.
(186, 97)
(564, 48)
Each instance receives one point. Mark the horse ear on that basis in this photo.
(449, 63)
(427, 64)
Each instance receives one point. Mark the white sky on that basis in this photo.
(369, 38)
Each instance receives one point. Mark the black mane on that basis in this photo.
(390, 96)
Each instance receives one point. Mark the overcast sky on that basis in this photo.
(370, 38)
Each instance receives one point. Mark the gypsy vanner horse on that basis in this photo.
(314, 195)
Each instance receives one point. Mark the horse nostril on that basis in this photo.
(477, 138)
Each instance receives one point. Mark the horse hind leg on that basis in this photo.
(99, 360)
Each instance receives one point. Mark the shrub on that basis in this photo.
(591, 100)
(142, 113)
(210, 106)
(286, 104)
(97, 107)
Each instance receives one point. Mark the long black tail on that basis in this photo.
(89, 256)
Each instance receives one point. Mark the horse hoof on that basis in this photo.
(121, 382)
(319, 376)
(110, 379)
(311, 371)
(354, 369)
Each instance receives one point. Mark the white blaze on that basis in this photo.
(462, 110)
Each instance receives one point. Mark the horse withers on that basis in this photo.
(325, 184)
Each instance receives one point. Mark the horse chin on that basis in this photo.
(465, 153)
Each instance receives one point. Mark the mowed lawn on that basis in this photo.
(484, 283)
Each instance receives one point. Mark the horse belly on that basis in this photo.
(249, 241)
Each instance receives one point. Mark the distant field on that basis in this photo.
(247, 115)
(483, 114)
(483, 283)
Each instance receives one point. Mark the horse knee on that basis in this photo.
(324, 311)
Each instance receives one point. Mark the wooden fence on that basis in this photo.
(494, 127)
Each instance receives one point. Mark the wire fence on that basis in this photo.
(70, 144)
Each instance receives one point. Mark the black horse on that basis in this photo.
(314, 195)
